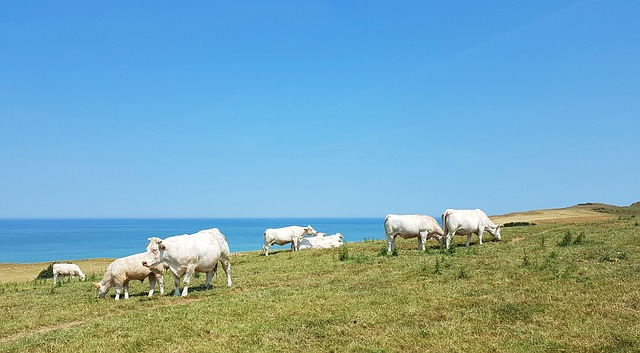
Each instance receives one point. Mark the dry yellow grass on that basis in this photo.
(562, 215)
(11, 273)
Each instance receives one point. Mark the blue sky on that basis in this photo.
(316, 108)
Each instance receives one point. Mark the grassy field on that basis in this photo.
(571, 287)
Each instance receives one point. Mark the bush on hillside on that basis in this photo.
(518, 224)
(46, 273)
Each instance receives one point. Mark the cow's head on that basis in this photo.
(308, 230)
(102, 289)
(155, 251)
(497, 232)
(82, 276)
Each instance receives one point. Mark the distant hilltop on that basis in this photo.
(584, 212)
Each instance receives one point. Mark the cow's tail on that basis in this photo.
(444, 222)
(387, 229)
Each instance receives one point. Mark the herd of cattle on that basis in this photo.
(201, 252)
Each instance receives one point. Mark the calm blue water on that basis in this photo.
(45, 240)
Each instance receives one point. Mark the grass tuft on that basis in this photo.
(567, 239)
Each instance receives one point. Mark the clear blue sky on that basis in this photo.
(316, 108)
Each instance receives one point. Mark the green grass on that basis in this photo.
(523, 294)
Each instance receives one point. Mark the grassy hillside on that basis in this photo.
(548, 287)
(578, 213)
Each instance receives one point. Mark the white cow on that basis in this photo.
(62, 270)
(128, 268)
(467, 222)
(411, 226)
(322, 241)
(286, 235)
(190, 253)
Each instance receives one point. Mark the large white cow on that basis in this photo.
(286, 235)
(322, 241)
(411, 226)
(128, 268)
(62, 270)
(190, 253)
(467, 222)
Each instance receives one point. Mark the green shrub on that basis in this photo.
(567, 239)
(518, 224)
(47, 272)
(580, 239)
(343, 255)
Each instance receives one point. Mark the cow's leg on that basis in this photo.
(191, 268)
(176, 280)
(207, 283)
(448, 240)
(422, 240)
(126, 289)
(118, 290)
(226, 266)
(480, 231)
(160, 279)
(152, 284)
(265, 249)
(55, 279)
(469, 238)
(391, 243)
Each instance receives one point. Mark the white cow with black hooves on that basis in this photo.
(286, 235)
(190, 253)
(467, 222)
(411, 226)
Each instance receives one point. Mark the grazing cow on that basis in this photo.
(467, 222)
(125, 269)
(286, 235)
(322, 241)
(190, 253)
(411, 226)
(62, 270)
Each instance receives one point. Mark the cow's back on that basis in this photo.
(283, 235)
(409, 224)
(469, 220)
(200, 248)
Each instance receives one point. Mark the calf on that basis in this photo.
(62, 270)
(125, 269)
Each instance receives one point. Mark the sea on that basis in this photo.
(49, 240)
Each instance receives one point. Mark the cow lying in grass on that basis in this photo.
(125, 269)
(322, 241)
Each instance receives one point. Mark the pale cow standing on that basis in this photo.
(128, 268)
(63, 270)
(411, 226)
(467, 222)
(286, 235)
(322, 241)
(190, 253)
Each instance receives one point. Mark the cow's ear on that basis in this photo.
(162, 247)
(96, 285)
